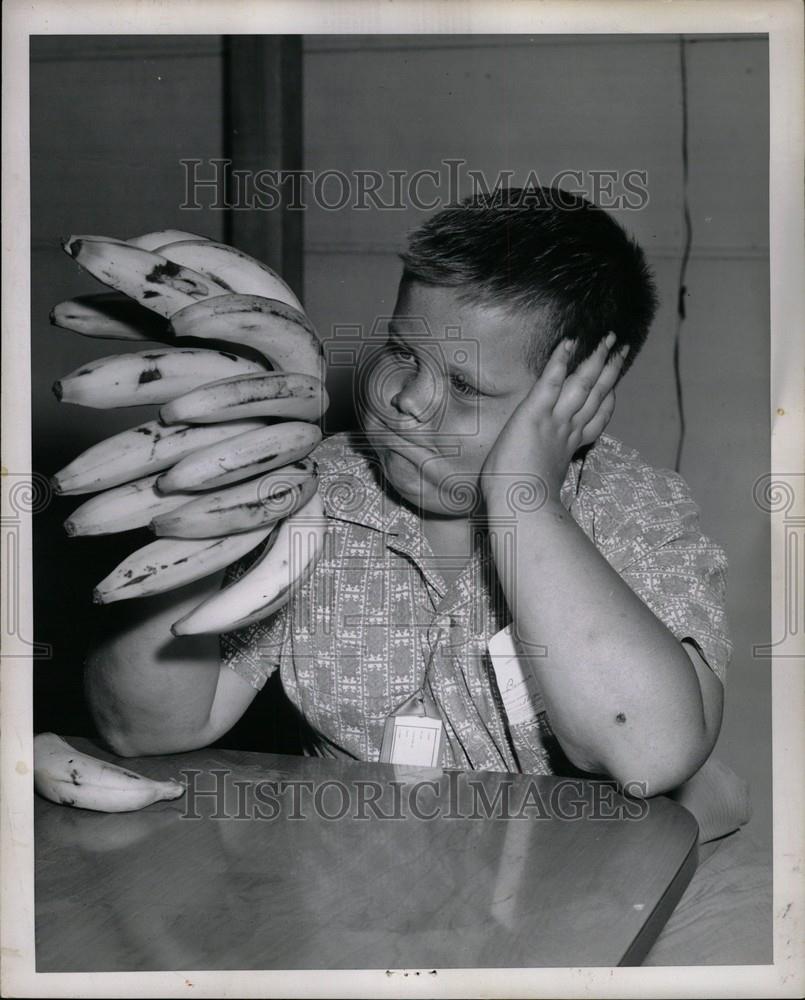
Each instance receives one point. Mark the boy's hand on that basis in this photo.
(560, 414)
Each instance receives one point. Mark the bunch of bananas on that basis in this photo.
(226, 467)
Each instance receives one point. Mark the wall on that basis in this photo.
(550, 104)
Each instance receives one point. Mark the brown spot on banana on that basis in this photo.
(257, 397)
(169, 274)
(215, 277)
(258, 504)
(139, 579)
(162, 272)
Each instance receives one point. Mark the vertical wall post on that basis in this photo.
(263, 131)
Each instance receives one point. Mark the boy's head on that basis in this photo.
(489, 288)
(546, 256)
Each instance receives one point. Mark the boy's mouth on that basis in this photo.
(383, 436)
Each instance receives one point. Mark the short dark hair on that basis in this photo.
(540, 251)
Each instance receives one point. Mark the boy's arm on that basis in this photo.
(152, 693)
(624, 696)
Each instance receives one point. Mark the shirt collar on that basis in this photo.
(352, 490)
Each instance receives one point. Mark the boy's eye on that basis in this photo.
(462, 386)
(399, 351)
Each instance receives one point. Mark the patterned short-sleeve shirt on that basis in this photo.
(357, 637)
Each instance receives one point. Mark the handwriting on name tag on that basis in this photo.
(517, 685)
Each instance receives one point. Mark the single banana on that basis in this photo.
(161, 238)
(269, 583)
(148, 377)
(109, 315)
(260, 502)
(140, 451)
(123, 508)
(64, 775)
(173, 562)
(269, 394)
(241, 457)
(231, 268)
(153, 280)
(282, 334)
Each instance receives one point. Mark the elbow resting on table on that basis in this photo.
(668, 767)
(649, 772)
(660, 778)
(661, 754)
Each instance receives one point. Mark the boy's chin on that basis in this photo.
(405, 477)
(401, 473)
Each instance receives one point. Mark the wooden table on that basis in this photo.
(161, 890)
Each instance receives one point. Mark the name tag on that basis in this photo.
(517, 685)
(414, 741)
(413, 733)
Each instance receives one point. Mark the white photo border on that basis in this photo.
(783, 21)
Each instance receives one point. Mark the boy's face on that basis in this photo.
(437, 394)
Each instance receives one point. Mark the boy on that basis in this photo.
(481, 492)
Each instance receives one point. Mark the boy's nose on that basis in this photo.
(418, 398)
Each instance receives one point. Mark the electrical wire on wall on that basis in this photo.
(683, 265)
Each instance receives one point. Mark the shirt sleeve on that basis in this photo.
(255, 651)
(655, 543)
